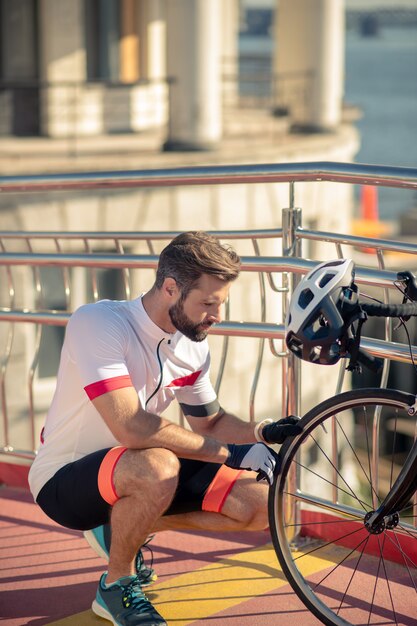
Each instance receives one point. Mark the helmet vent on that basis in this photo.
(326, 279)
(305, 297)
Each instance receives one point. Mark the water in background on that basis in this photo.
(381, 79)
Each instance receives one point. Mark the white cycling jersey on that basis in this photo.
(109, 345)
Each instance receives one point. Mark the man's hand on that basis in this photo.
(257, 457)
(277, 432)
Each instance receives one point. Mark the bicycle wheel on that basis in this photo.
(332, 475)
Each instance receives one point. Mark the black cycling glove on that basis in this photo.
(277, 432)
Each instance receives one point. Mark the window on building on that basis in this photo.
(19, 68)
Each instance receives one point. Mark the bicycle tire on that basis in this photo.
(333, 564)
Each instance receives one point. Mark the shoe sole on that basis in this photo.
(101, 612)
(95, 545)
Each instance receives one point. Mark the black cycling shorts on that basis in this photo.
(72, 497)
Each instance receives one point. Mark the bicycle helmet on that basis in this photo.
(320, 312)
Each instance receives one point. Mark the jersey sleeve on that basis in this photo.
(96, 342)
(199, 399)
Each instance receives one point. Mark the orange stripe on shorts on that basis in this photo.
(219, 489)
(105, 475)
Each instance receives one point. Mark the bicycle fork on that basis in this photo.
(386, 516)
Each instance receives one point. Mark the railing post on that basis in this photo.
(291, 247)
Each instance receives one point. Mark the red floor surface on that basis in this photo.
(48, 572)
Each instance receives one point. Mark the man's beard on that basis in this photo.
(182, 322)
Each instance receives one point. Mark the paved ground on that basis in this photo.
(48, 575)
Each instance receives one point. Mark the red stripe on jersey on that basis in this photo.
(185, 381)
(109, 384)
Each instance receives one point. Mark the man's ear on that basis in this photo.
(170, 289)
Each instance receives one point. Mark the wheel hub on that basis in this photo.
(376, 528)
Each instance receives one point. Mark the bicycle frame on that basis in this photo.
(401, 491)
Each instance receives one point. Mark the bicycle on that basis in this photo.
(342, 524)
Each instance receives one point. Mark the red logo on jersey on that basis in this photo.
(185, 381)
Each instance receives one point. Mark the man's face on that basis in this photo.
(200, 309)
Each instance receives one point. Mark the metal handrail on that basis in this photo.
(365, 276)
(377, 347)
(144, 235)
(386, 176)
(353, 173)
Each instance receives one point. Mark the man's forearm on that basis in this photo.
(228, 428)
(152, 431)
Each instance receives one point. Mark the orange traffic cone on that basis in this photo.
(368, 224)
(369, 203)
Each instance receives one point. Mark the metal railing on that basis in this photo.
(117, 256)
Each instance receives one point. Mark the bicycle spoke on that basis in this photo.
(368, 478)
(386, 577)
(408, 532)
(339, 521)
(365, 541)
(368, 447)
(345, 571)
(329, 543)
(351, 492)
(365, 505)
(406, 558)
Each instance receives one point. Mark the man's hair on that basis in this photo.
(192, 254)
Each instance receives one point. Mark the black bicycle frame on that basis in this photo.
(401, 491)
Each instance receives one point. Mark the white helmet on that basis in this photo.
(316, 328)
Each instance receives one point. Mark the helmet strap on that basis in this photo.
(354, 344)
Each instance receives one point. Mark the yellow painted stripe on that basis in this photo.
(218, 586)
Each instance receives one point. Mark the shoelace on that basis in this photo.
(140, 561)
(134, 598)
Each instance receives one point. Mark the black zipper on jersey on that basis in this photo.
(155, 391)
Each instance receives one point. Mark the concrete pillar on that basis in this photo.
(309, 62)
(129, 42)
(194, 45)
(230, 52)
(63, 62)
(152, 38)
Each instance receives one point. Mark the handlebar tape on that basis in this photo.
(390, 310)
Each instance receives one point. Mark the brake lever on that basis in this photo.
(410, 281)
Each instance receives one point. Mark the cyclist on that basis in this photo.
(108, 456)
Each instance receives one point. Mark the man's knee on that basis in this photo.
(258, 521)
(154, 469)
(247, 503)
(162, 464)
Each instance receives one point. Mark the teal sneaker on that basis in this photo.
(124, 604)
(99, 539)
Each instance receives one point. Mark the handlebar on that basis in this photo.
(376, 309)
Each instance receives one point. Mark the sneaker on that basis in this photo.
(99, 539)
(124, 604)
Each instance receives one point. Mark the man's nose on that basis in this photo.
(215, 315)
